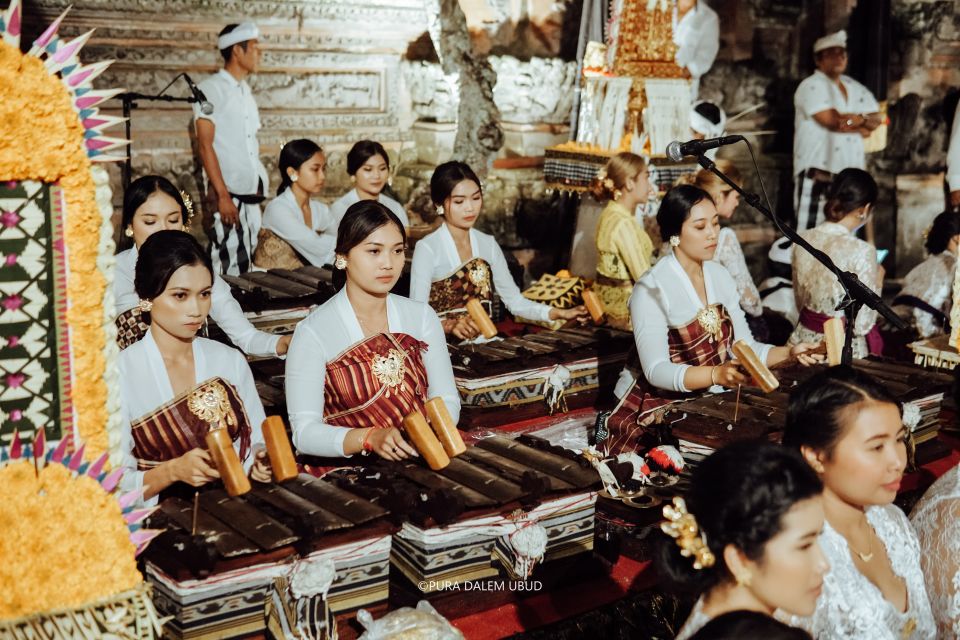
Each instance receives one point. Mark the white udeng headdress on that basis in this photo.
(244, 31)
(701, 125)
(838, 39)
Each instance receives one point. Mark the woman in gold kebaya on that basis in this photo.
(624, 250)
(174, 384)
(366, 358)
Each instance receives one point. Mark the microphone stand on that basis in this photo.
(128, 103)
(855, 293)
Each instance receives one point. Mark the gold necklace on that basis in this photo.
(865, 557)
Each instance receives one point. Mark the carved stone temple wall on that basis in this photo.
(330, 70)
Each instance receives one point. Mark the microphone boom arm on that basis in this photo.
(856, 293)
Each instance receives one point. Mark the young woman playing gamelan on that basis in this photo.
(153, 204)
(686, 316)
(456, 262)
(366, 358)
(166, 374)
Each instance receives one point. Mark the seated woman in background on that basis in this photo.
(293, 228)
(153, 204)
(686, 316)
(456, 262)
(753, 513)
(850, 430)
(926, 299)
(849, 203)
(368, 166)
(624, 250)
(366, 358)
(729, 253)
(164, 375)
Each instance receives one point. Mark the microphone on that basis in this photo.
(206, 107)
(676, 150)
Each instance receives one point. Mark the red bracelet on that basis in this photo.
(366, 447)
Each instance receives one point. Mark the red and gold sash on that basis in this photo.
(376, 382)
(178, 426)
(130, 327)
(472, 279)
(704, 341)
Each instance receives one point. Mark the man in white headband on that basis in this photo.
(834, 113)
(236, 178)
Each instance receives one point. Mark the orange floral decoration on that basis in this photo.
(43, 140)
(65, 542)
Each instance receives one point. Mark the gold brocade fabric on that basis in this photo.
(645, 49)
(624, 253)
(273, 252)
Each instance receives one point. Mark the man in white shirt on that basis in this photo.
(834, 113)
(953, 162)
(230, 152)
(696, 32)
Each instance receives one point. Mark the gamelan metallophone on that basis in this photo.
(536, 374)
(935, 353)
(282, 288)
(707, 422)
(222, 561)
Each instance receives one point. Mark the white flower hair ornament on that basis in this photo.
(911, 415)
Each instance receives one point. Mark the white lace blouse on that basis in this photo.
(730, 255)
(932, 282)
(817, 289)
(695, 621)
(936, 519)
(853, 608)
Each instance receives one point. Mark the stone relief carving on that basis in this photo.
(540, 90)
(435, 95)
(322, 91)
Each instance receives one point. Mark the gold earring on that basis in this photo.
(128, 232)
(674, 241)
(145, 305)
(340, 263)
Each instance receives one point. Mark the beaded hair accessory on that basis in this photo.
(188, 203)
(604, 180)
(683, 528)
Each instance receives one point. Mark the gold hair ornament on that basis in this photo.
(188, 203)
(682, 527)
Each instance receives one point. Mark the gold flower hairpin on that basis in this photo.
(188, 203)
(683, 527)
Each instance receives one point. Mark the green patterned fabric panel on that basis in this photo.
(33, 379)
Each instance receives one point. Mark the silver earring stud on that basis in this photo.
(674, 241)
(340, 263)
